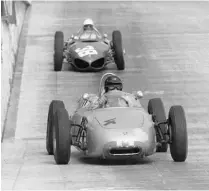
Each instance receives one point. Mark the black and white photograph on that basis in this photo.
(104, 95)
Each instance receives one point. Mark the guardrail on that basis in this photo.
(8, 11)
(12, 17)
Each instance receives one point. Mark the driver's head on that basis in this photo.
(88, 24)
(113, 83)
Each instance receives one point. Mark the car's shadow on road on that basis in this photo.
(77, 155)
(115, 162)
(68, 68)
(71, 69)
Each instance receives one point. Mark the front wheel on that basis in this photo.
(61, 137)
(179, 138)
(58, 50)
(54, 105)
(117, 46)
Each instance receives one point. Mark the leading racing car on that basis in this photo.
(88, 50)
(113, 124)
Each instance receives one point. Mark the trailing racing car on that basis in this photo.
(88, 50)
(120, 128)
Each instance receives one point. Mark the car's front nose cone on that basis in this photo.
(112, 150)
(128, 151)
(98, 64)
(89, 65)
(81, 64)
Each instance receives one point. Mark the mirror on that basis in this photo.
(85, 96)
(139, 94)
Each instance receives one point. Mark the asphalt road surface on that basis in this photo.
(167, 56)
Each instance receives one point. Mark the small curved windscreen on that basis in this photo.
(89, 36)
(116, 102)
(118, 99)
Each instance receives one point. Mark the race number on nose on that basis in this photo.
(88, 50)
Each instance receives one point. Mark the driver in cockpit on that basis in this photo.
(113, 87)
(88, 27)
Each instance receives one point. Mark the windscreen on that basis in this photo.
(89, 36)
(116, 102)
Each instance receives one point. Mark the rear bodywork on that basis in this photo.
(89, 55)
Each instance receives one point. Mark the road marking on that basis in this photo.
(154, 92)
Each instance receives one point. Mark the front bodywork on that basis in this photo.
(113, 132)
(89, 56)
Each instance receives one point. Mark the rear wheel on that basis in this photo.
(117, 46)
(156, 107)
(179, 137)
(58, 50)
(61, 137)
(54, 105)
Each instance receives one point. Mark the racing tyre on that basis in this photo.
(61, 137)
(178, 134)
(117, 46)
(156, 107)
(54, 105)
(58, 50)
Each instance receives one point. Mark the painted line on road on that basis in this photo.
(154, 92)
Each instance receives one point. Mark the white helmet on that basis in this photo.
(88, 22)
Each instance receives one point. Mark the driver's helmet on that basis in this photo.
(112, 83)
(88, 24)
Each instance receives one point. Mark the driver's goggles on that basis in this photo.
(114, 87)
(88, 26)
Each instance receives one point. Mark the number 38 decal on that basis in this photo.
(88, 50)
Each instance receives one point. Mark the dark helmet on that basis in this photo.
(113, 82)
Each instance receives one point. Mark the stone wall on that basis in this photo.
(10, 34)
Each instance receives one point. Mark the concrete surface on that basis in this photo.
(167, 56)
(10, 34)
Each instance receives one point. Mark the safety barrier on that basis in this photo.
(12, 17)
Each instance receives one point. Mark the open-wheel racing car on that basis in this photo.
(89, 51)
(115, 131)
